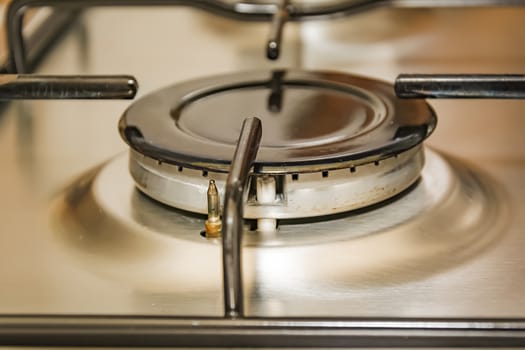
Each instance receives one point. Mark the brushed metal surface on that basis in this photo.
(45, 146)
(110, 229)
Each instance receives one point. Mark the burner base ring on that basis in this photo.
(294, 195)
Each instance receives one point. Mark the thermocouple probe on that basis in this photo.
(480, 86)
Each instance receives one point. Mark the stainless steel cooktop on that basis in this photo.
(73, 242)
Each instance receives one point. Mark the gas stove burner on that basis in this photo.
(331, 142)
(111, 229)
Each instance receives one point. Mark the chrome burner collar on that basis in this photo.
(282, 196)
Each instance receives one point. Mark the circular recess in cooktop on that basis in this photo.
(311, 121)
(452, 215)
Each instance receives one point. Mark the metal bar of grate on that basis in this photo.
(40, 87)
(258, 332)
(245, 153)
(42, 38)
(479, 86)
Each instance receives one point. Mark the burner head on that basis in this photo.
(331, 142)
(311, 121)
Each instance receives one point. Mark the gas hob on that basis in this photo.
(80, 244)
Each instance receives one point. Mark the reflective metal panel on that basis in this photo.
(45, 146)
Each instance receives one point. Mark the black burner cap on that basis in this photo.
(311, 121)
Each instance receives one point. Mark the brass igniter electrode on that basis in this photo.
(213, 224)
